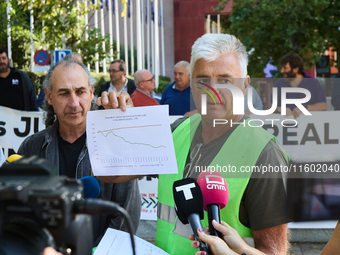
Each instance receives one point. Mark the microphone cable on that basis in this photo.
(98, 206)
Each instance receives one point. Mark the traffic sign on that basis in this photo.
(42, 57)
(60, 54)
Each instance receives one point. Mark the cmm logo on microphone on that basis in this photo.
(215, 182)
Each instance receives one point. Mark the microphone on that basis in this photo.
(91, 187)
(10, 159)
(215, 197)
(189, 206)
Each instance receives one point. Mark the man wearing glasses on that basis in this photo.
(144, 94)
(118, 81)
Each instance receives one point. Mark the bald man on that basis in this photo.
(144, 94)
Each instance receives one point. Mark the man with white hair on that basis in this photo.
(257, 206)
(177, 94)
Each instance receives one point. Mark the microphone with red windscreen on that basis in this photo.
(215, 197)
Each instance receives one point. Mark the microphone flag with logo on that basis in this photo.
(215, 196)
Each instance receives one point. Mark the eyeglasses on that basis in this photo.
(114, 71)
(153, 77)
(195, 157)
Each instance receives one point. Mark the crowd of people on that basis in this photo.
(257, 206)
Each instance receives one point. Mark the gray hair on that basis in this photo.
(72, 55)
(211, 46)
(186, 64)
(49, 116)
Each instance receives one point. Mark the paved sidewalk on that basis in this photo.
(306, 248)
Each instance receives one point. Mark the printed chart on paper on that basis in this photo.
(116, 242)
(137, 141)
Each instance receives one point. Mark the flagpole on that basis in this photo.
(86, 27)
(103, 35)
(96, 26)
(156, 43)
(9, 40)
(162, 39)
(32, 31)
(131, 40)
(110, 29)
(43, 23)
(152, 40)
(148, 34)
(126, 46)
(208, 24)
(79, 32)
(117, 30)
(138, 30)
(142, 32)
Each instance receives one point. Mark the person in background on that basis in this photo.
(178, 94)
(144, 94)
(336, 92)
(294, 77)
(118, 80)
(17, 90)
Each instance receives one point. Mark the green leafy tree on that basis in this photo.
(271, 28)
(20, 33)
(55, 22)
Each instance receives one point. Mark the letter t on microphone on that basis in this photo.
(189, 206)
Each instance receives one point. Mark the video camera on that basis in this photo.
(37, 210)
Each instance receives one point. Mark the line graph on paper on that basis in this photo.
(112, 131)
(133, 142)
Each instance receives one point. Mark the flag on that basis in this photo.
(113, 6)
(152, 11)
(124, 8)
(146, 12)
(107, 4)
(129, 9)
